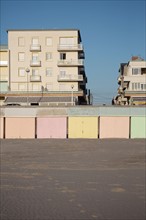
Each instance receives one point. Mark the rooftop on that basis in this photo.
(136, 58)
(54, 29)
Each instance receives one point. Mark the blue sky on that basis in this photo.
(111, 31)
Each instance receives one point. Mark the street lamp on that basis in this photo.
(72, 86)
(27, 71)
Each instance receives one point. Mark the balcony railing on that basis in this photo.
(35, 63)
(3, 63)
(72, 47)
(70, 77)
(3, 78)
(71, 62)
(127, 78)
(35, 78)
(35, 47)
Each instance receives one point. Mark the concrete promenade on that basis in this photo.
(70, 179)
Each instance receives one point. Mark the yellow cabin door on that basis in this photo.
(83, 127)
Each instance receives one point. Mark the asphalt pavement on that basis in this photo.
(73, 179)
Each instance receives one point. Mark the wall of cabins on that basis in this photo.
(74, 122)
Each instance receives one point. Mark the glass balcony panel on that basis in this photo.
(3, 63)
(3, 78)
(35, 47)
(70, 77)
(78, 62)
(71, 47)
(35, 78)
(35, 63)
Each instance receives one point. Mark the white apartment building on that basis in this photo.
(46, 66)
(132, 82)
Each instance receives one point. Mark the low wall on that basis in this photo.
(73, 122)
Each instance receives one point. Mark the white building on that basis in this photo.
(46, 66)
(132, 82)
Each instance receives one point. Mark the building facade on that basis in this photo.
(132, 82)
(46, 66)
(4, 68)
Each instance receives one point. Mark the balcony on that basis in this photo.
(120, 90)
(3, 63)
(125, 84)
(127, 78)
(35, 63)
(70, 78)
(35, 78)
(71, 62)
(35, 47)
(73, 47)
(81, 55)
(3, 78)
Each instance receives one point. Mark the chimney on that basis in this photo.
(134, 58)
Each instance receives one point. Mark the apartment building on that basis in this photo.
(132, 82)
(46, 66)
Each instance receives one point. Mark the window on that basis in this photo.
(35, 72)
(62, 56)
(49, 72)
(138, 86)
(21, 72)
(21, 87)
(143, 86)
(21, 56)
(143, 70)
(62, 73)
(35, 41)
(48, 56)
(136, 71)
(35, 57)
(49, 41)
(21, 42)
(66, 41)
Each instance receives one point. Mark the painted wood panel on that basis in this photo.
(83, 127)
(1, 128)
(138, 127)
(114, 127)
(52, 127)
(20, 128)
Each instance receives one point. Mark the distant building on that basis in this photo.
(132, 83)
(44, 67)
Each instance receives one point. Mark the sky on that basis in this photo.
(112, 31)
